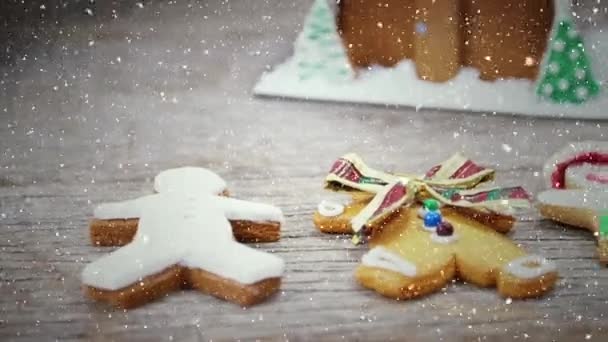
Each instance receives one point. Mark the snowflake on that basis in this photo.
(554, 68)
(559, 45)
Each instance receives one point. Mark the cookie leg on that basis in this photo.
(236, 273)
(527, 276)
(142, 292)
(480, 251)
(130, 276)
(487, 258)
(404, 262)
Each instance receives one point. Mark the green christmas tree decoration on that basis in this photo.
(604, 225)
(567, 77)
(319, 49)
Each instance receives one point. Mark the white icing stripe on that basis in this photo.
(383, 258)
(444, 239)
(329, 208)
(587, 176)
(530, 267)
(188, 227)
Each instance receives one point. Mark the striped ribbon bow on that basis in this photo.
(454, 182)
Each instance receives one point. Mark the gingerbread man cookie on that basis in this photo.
(412, 257)
(578, 178)
(417, 250)
(182, 237)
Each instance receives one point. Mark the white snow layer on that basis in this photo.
(400, 85)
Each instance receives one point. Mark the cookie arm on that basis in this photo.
(122, 210)
(239, 210)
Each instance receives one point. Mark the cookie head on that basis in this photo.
(186, 180)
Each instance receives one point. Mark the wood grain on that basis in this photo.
(180, 95)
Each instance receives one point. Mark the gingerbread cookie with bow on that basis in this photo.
(577, 176)
(417, 249)
(183, 236)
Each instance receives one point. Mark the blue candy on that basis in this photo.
(432, 219)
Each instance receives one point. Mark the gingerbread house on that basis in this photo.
(513, 56)
(502, 39)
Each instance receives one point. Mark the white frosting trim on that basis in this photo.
(186, 226)
(444, 239)
(519, 269)
(582, 199)
(568, 152)
(581, 177)
(329, 208)
(422, 212)
(383, 258)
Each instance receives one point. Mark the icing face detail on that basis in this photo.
(530, 267)
(329, 208)
(445, 229)
(383, 258)
(421, 212)
(444, 239)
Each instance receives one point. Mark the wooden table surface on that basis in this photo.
(95, 106)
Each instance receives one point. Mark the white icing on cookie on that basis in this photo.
(422, 212)
(189, 180)
(583, 199)
(236, 209)
(530, 267)
(187, 228)
(567, 152)
(429, 229)
(383, 258)
(330, 209)
(444, 239)
(123, 210)
(587, 176)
